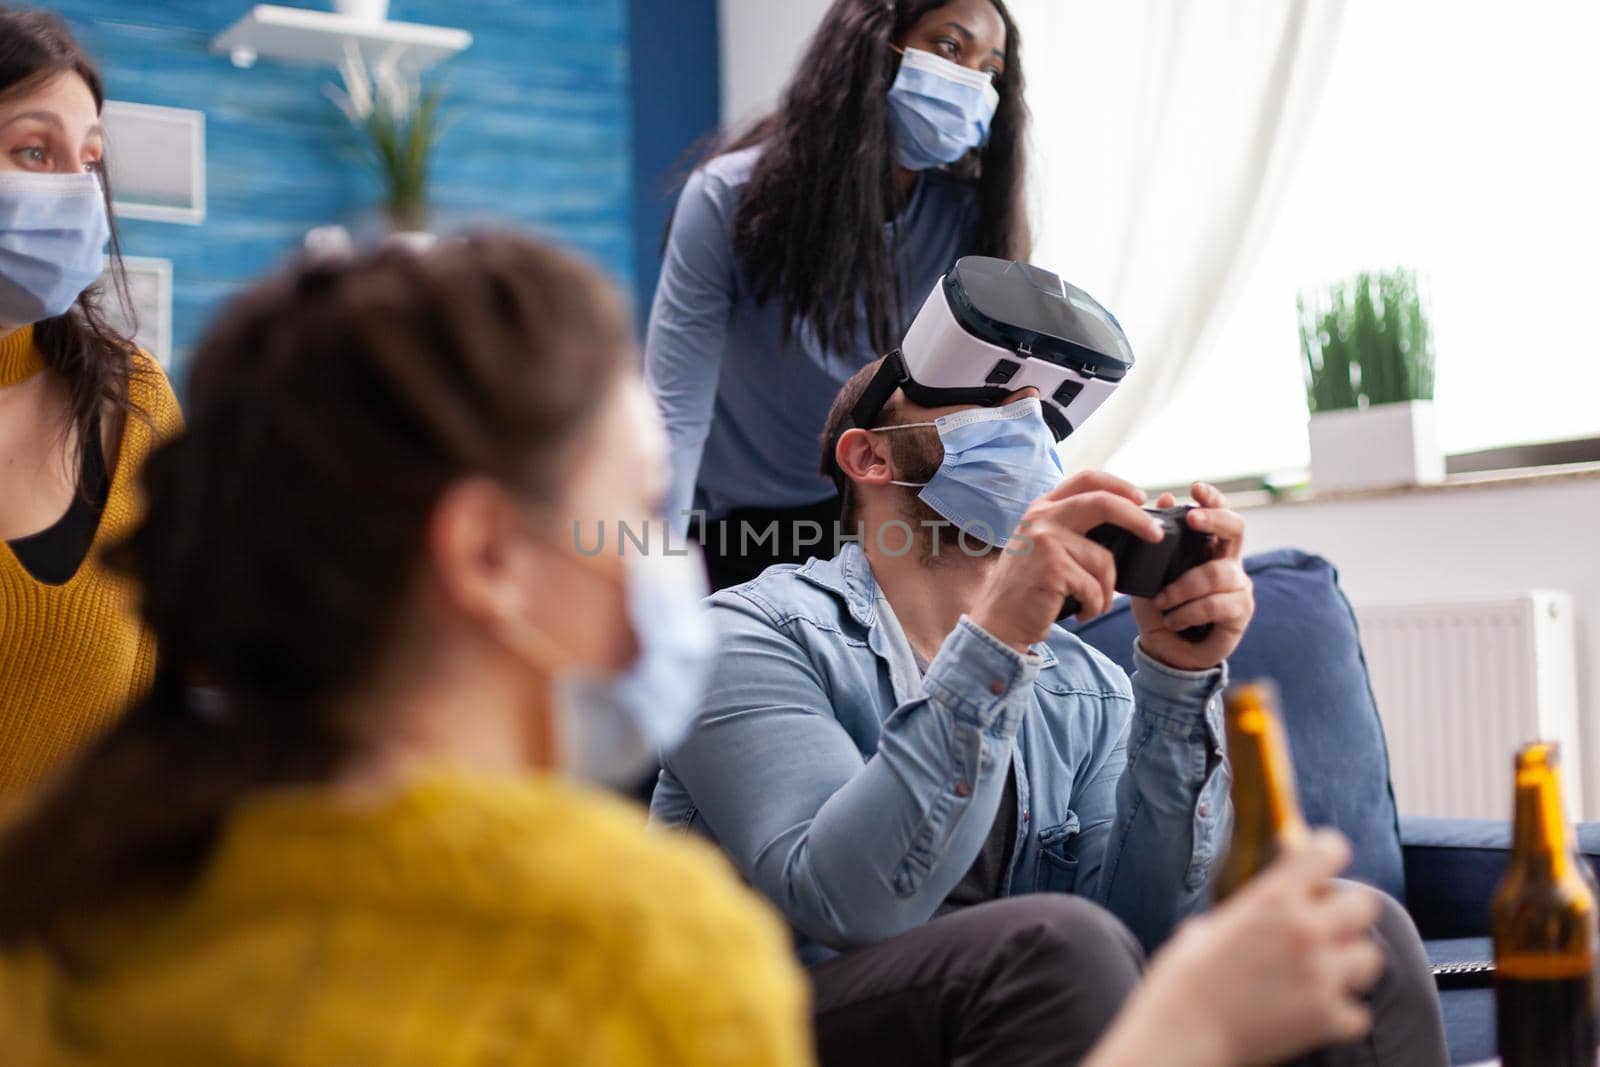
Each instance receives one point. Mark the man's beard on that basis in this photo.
(917, 456)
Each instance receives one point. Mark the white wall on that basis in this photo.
(1460, 543)
(761, 41)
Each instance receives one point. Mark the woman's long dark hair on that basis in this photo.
(329, 410)
(806, 232)
(82, 346)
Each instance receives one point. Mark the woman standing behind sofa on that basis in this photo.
(80, 408)
(802, 252)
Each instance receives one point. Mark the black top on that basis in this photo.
(53, 555)
(987, 875)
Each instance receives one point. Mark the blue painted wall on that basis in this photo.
(676, 105)
(540, 136)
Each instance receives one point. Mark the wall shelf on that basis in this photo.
(303, 35)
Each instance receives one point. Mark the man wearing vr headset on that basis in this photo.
(972, 820)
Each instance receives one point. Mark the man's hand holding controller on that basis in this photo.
(1054, 559)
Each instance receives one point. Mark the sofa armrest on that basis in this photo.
(1454, 865)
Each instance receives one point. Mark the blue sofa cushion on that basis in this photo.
(1452, 869)
(1304, 638)
(1468, 1024)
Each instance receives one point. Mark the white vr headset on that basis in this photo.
(993, 326)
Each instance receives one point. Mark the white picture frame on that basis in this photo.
(156, 161)
(150, 288)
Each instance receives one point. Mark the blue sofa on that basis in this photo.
(1305, 638)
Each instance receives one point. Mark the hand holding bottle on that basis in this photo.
(1278, 970)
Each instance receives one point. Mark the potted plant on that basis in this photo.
(399, 123)
(1369, 383)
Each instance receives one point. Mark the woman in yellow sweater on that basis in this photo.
(80, 408)
(335, 831)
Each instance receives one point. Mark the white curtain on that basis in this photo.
(1165, 134)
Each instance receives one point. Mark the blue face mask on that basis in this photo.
(997, 461)
(53, 233)
(938, 110)
(613, 730)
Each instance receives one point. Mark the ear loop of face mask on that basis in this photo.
(561, 662)
(533, 645)
(547, 654)
(905, 426)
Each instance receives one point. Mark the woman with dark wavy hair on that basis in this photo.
(801, 251)
(80, 408)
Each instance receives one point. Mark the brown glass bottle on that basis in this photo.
(1266, 807)
(1545, 934)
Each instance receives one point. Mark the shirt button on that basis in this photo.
(997, 687)
(963, 789)
(1026, 814)
(1205, 807)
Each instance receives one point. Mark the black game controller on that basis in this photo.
(1144, 569)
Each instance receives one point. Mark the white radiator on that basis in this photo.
(1461, 685)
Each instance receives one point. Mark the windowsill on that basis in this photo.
(1502, 479)
(1497, 468)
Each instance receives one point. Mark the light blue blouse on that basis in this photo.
(743, 408)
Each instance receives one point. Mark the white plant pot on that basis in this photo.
(365, 10)
(330, 242)
(1381, 447)
(412, 240)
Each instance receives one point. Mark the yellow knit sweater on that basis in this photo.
(465, 922)
(73, 656)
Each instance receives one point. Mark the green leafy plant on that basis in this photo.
(401, 124)
(1366, 341)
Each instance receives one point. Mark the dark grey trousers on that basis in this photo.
(1035, 980)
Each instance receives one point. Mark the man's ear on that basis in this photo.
(863, 457)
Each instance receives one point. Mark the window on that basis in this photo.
(1458, 138)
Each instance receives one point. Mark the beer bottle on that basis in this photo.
(1266, 808)
(1544, 930)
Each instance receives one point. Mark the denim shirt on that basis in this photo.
(855, 793)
